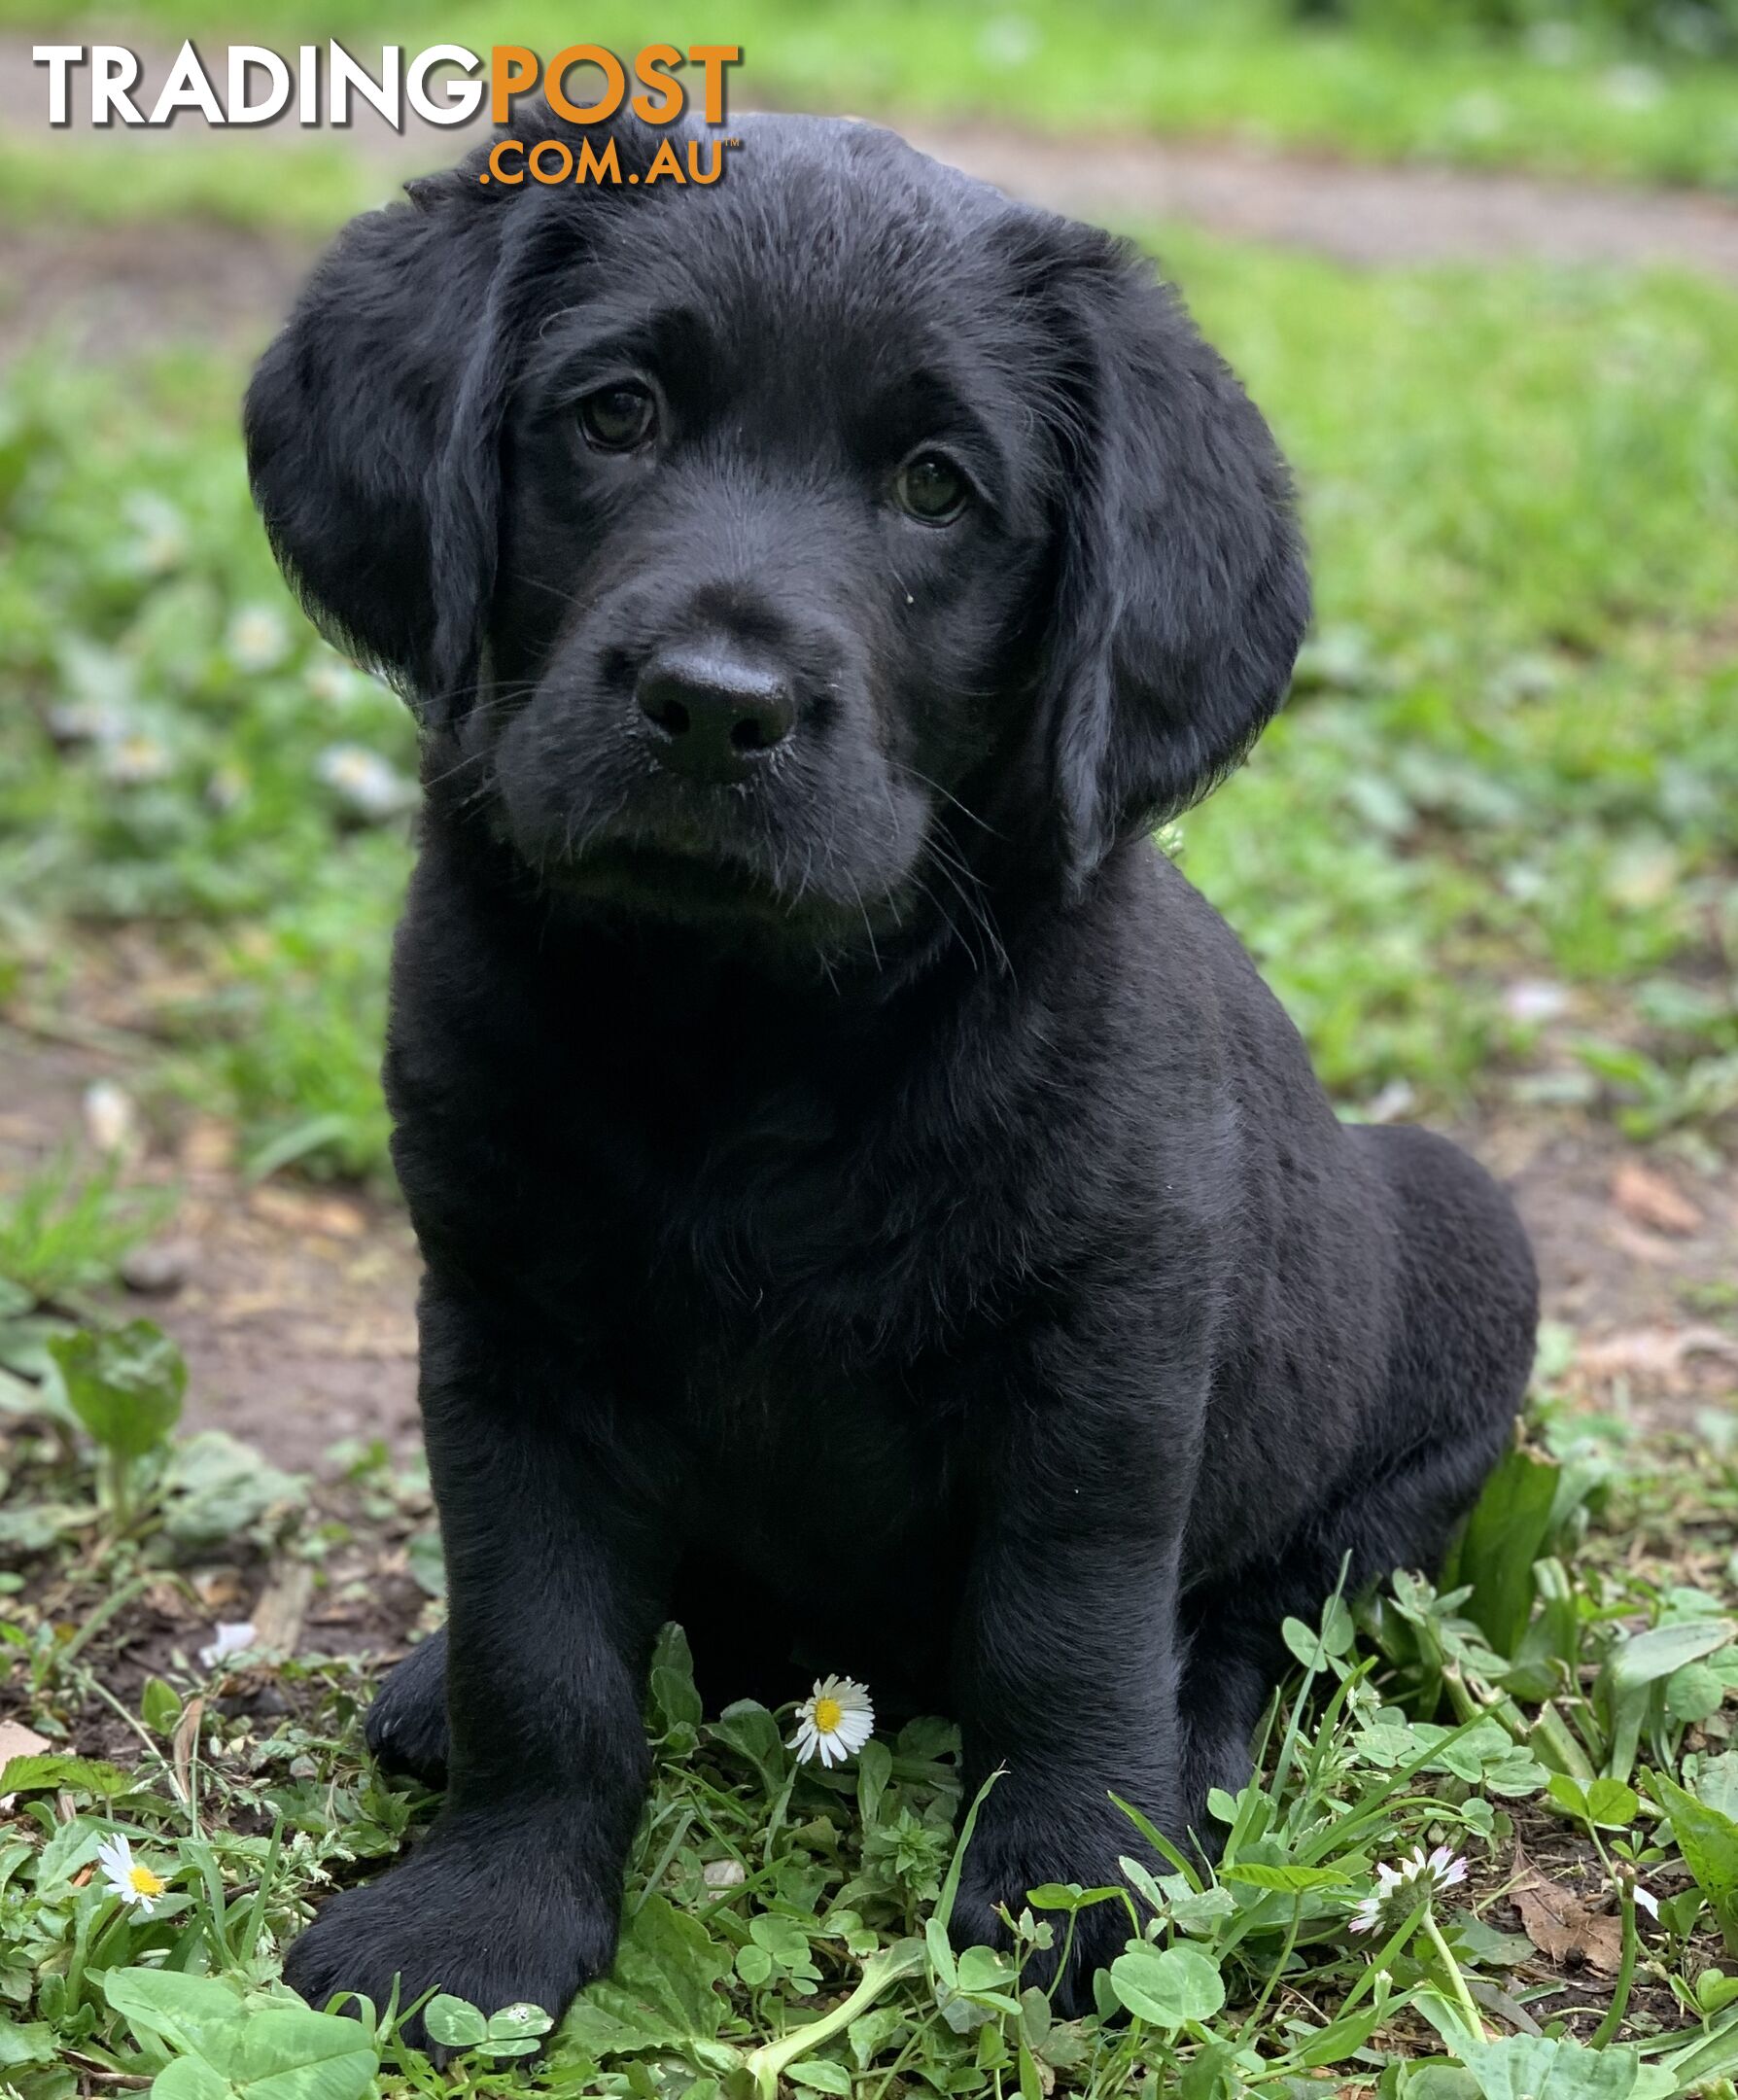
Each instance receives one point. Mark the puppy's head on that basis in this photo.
(763, 548)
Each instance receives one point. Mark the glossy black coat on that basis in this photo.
(872, 1208)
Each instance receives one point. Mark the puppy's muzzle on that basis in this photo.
(715, 714)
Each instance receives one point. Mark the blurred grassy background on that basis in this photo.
(1620, 88)
(1487, 857)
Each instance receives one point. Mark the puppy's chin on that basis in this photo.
(664, 882)
(732, 900)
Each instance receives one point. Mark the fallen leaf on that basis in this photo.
(1640, 1246)
(303, 1214)
(283, 1606)
(209, 1147)
(1654, 1355)
(1647, 1198)
(1565, 1932)
(16, 1740)
(181, 1748)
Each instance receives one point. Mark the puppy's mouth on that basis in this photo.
(666, 882)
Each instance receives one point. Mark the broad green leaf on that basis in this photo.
(1717, 1782)
(169, 2007)
(1644, 1657)
(983, 1973)
(1694, 1693)
(1709, 1842)
(1533, 2067)
(50, 1768)
(159, 1706)
(661, 1992)
(287, 2052)
(454, 2023)
(1568, 1794)
(820, 2075)
(125, 1386)
(1714, 1990)
(748, 1729)
(675, 1703)
(1167, 1987)
(1506, 1534)
(875, 1768)
(1612, 1805)
(23, 2049)
(191, 2077)
(1069, 1896)
(1256, 1873)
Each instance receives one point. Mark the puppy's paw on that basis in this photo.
(1006, 1861)
(495, 1923)
(406, 1728)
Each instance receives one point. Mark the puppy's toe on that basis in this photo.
(496, 1930)
(406, 1728)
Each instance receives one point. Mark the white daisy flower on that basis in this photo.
(135, 761)
(136, 1887)
(834, 1722)
(257, 639)
(1398, 1888)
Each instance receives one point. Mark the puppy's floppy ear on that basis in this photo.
(374, 421)
(376, 495)
(1182, 595)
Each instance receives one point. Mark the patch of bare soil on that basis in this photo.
(1357, 214)
(294, 1305)
(111, 289)
(1638, 1253)
(104, 292)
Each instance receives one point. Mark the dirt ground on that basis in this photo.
(295, 1306)
(156, 282)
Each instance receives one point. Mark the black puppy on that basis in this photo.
(872, 1209)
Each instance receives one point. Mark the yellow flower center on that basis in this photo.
(143, 1882)
(828, 1713)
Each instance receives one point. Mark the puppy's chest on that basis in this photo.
(813, 1474)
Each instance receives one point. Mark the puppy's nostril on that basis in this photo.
(718, 712)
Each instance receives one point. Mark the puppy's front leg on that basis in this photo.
(557, 1580)
(1066, 1674)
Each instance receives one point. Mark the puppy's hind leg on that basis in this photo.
(1398, 1516)
(406, 1729)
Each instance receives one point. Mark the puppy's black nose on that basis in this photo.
(716, 714)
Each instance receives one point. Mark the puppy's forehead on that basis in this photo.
(823, 234)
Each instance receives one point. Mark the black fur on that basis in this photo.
(872, 1209)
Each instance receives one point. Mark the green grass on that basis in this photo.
(304, 190)
(1563, 1692)
(1241, 69)
(1510, 763)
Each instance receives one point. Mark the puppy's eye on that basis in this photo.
(617, 418)
(931, 488)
